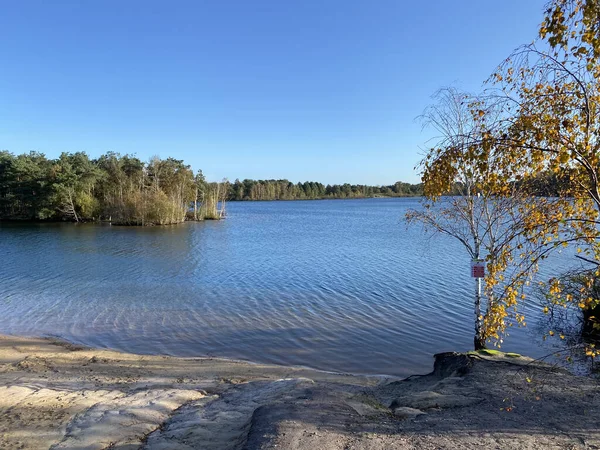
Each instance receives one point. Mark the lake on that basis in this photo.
(339, 285)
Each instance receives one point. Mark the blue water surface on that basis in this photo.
(340, 285)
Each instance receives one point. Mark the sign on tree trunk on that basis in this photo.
(478, 268)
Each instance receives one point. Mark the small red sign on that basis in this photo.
(478, 269)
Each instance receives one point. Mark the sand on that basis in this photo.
(55, 395)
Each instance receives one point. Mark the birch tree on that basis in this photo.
(487, 223)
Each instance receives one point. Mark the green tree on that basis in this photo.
(75, 178)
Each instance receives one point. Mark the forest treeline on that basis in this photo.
(129, 191)
(286, 190)
(547, 184)
(119, 188)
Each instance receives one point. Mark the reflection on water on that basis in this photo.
(336, 285)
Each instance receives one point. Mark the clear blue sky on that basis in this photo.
(324, 90)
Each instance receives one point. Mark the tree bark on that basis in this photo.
(479, 342)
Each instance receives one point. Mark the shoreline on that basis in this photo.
(54, 394)
(62, 342)
(278, 200)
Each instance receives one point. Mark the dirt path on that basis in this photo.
(53, 395)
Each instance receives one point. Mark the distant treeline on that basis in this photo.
(128, 191)
(544, 185)
(286, 190)
(122, 189)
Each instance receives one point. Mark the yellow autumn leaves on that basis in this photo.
(542, 117)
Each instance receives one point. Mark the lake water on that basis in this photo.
(340, 285)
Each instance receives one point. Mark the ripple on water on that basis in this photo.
(336, 285)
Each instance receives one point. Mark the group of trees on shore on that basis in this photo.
(310, 190)
(128, 191)
(121, 189)
(544, 184)
(537, 121)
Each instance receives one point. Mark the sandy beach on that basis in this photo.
(56, 395)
